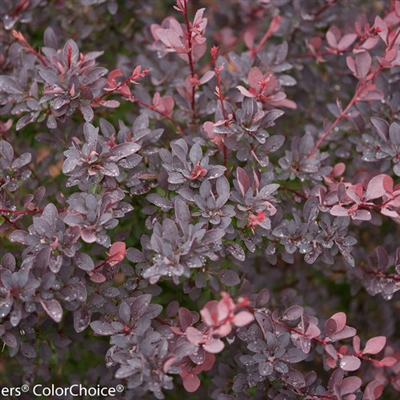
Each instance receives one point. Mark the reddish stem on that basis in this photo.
(134, 99)
(394, 40)
(273, 27)
(20, 37)
(342, 115)
(190, 56)
(164, 114)
(14, 224)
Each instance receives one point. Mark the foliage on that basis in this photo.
(210, 203)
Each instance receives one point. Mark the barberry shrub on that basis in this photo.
(201, 199)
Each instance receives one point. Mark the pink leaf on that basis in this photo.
(206, 77)
(373, 391)
(255, 77)
(383, 28)
(375, 345)
(331, 351)
(356, 344)
(96, 277)
(191, 382)
(371, 94)
(378, 186)
(330, 362)
(243, 318)
(350, 363)
(363, 64)
(333, 36)
(194, 336)
(312, 331)
(350, 385)
(209, 361)
(209, 313)
(338, 322)
(88, 236)
(351, 64)
(244, 91)
(345, 333)
(110, 103)
(167, 362)
(362, 215)
(339, 211)
(117, 253)
(215, 346)
(346, 41)
(385, 362)
(338, 169)
(114, 74)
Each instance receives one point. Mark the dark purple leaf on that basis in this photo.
(229, 277)
(25, 120)
(292, 313)
(236, 251)
(42, 258)
(243, 180)
(213, 236)
(185, 318)
(262, 298)
(52, 308)
(27, 350)
(110, 169)
(5, 306)
(271, 116)
(294, 355)
(134, 255)
(336, 378)
(139, 306)
(122, 150)
(273, 143)
(50, 38)
(87, 113)
(294, 378)
(330, 327)
(124, 313)
(182, 212)
(159, 201)
(394, 133)
(381, 126)
(9, 339)
(6, 150)
(50, 214)
(10, 85)
(50, 77)
(84, 261)
(172, 309)
(102, 328)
